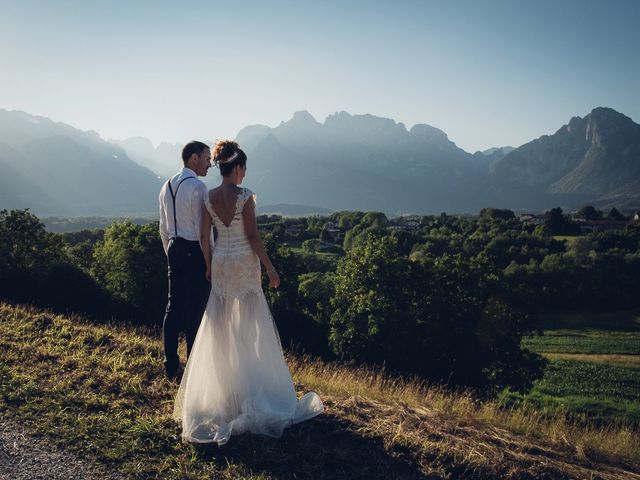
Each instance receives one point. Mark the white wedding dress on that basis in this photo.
(236, 379)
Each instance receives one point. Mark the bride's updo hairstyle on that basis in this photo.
(226, 155)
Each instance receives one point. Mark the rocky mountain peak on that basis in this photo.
(429, 133)
(606, 125)
(301, 121)
(302, 117)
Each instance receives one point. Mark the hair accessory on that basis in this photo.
(230, 159)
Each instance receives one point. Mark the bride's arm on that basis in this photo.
(251, 229)
(205, 235)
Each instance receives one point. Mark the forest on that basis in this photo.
(446, 298)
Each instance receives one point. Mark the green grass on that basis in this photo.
(565, 378)
(585, 341)
(100, 391)
(594, 369)
(586, 392)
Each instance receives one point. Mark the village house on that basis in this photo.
(294, 230)
(533, 218)
(332, 227)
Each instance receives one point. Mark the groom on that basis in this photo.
(181, 202)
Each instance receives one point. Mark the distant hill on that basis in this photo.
(595, 159)
(357, 162)
(164, 160)
(371, 163)
(361, 162)
(288, 210)
(55, 169)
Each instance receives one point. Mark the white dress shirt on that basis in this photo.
(189, 205)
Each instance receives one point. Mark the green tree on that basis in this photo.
(589, 212)
(372, 223)
(325, 236)
(25, 244)
(445, 318)
(296, 327)
(560, 224)
(315, 290)
(35, 269)
(496, 214)
(372, 310)
(131, 264)
(311, 245)
(614, 214)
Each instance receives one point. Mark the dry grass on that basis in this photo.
(619, 443)
(613, 359)
(99, 390)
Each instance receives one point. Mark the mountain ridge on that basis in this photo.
(358, 162)
(62, 170)
(596, 157)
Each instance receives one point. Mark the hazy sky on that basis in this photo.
(488, 73)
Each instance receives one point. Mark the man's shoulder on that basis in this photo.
(199, 185)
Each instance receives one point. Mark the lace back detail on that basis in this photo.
(235, 268)
(241, 199)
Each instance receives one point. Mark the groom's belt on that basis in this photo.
(182, 240)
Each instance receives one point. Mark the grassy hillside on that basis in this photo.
(99, 391)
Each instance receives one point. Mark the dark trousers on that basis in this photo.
(188, 295)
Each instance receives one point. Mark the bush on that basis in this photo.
(35, 269)
(443, 318)
(131, 264)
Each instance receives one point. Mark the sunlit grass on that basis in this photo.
(613, 439)
(607, 358)
(100, 390)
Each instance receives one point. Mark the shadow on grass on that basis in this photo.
(325, 447)
(622, 320)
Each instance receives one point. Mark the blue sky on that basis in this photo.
(488, 73)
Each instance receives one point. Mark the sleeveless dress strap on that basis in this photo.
(243, 197)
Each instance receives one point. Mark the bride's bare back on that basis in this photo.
(224, 200)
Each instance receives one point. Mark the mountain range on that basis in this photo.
(55, 169)
(365, 162)
(348, 161)
(595, 159)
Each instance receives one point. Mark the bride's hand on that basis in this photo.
(274, 278)
(208, 273)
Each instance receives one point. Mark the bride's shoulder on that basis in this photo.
(210, 193)
(246, 194)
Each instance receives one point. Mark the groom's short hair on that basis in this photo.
(192, 147)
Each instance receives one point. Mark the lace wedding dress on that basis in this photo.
(236, 379)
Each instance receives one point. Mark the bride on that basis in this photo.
(236, 379)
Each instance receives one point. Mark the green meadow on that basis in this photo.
(593, 374)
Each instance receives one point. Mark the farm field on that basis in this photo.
(593, 373)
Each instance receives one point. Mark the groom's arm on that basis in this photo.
(197, 206)
(164, 232)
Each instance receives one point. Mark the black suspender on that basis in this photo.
(173, 196)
